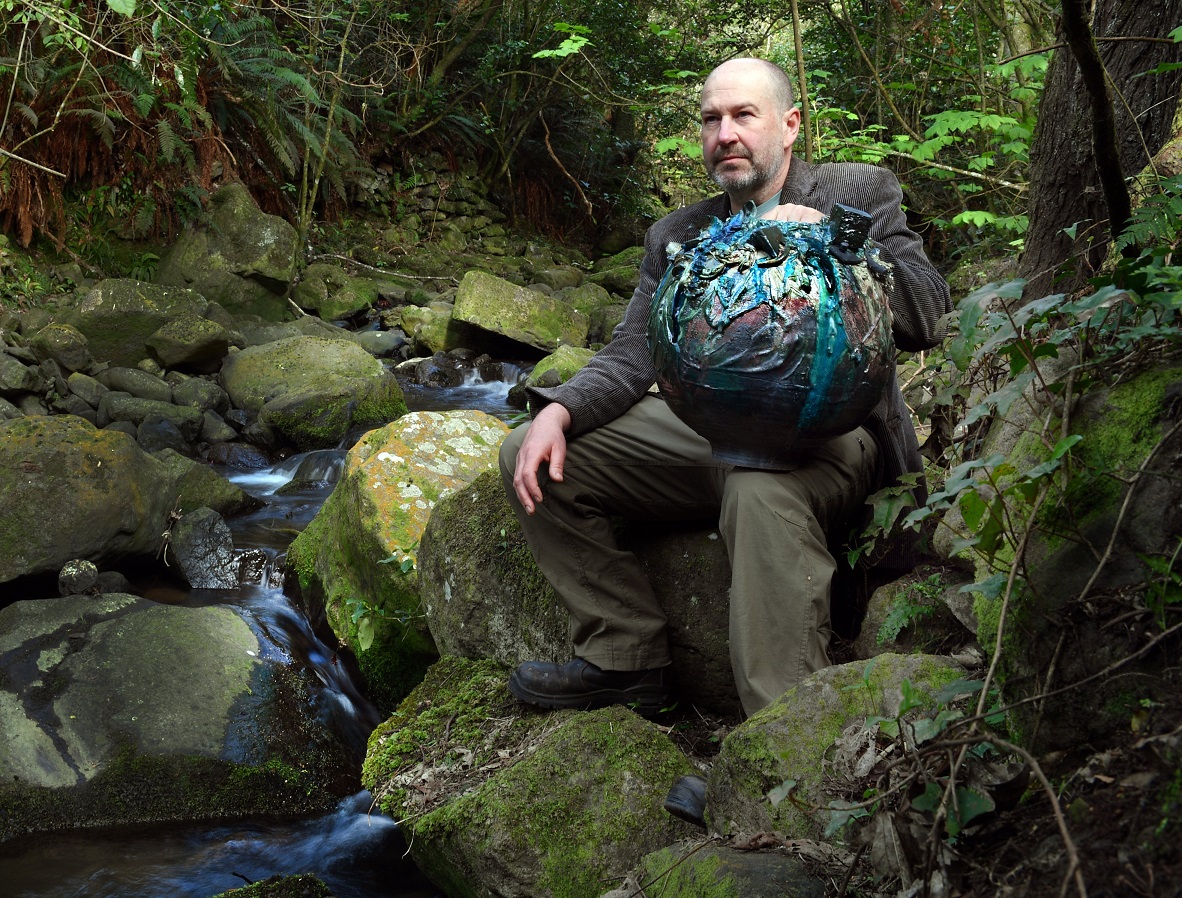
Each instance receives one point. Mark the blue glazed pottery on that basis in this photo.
(772, 337)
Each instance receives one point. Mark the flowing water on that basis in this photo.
(356, 850)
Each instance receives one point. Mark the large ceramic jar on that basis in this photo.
(771, 337)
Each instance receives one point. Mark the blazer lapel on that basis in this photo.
(799, 184)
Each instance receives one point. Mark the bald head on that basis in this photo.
(775, 80)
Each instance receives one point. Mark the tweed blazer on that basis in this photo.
(620, 373)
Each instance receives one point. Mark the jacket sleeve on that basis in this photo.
(622, 372)
(920, 296)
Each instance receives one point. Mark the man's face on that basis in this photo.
(746, 143)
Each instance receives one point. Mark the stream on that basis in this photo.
(356, 850)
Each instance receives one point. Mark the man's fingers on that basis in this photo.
(795, 212)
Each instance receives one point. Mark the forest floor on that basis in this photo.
(1120, 805)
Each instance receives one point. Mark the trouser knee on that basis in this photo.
(508, 458)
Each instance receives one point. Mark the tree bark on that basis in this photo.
(1065, 182)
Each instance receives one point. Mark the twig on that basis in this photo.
(845, 880)
(1074, 869)
(681, 860)
(569, 176)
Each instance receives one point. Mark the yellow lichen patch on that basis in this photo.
(404, 468)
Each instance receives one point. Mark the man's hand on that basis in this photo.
(793, 212)
(545, 442)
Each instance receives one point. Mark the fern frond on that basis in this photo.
(168, 143)
(100, 123)
(28, 114)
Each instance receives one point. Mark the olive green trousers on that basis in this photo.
(648, 465)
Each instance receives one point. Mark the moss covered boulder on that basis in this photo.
(790, 739)
(190, 343)
(485, 597)
(497, 800)
(330, 293)
(358, 555)
(238, 257)
(118, 317)
(117, 710)
(1128, 445)
(692, 870)
(433, 328)
(523, 315)
(73, 491)
(313, 390)
(198, 485)
(560, 365)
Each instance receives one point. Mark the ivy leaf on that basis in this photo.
(989, 588)
(911, 698)
(365, 633)
(930, 799)
(970, 804)
(949, 692)
(781, 792)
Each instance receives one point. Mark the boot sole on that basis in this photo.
(644, 702)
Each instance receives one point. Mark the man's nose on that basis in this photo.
(726, 130)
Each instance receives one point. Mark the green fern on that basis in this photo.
(1158, 221)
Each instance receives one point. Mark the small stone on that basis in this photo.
(76, 577)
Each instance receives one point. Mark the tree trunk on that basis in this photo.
(1065, 186)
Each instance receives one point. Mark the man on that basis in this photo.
(603, 445)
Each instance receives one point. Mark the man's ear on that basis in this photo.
(791, 127)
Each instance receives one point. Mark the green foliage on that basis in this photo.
(1163, 583)
(910, 606)
(365, 613)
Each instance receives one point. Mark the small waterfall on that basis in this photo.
(355, 850)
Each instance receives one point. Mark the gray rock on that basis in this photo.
(151, 366)
(16, 377)
(201, 547)
(121, 407)
(238, 455)
(214, 429)
(120, 710)
(201, 393)
(124, 427)
(313, 390)
(64, 344)
(539, 804)
(198, 485)
(242, 258)
(523, 315)
(156, 432)
(790, 739)
(87, 388)
(136, 383)
(31, 405)
(485, 597)
(72, 491)
(691, 870)
(381, 343)
(912, 615)
(112, 581)
(559, 278)
(119, 315)
(190, 342)
(8, 410)
(395, 476)
(77, 576)
(73, 405)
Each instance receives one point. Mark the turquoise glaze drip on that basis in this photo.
(748, 336)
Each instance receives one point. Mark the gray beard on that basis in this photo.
(749, 181)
